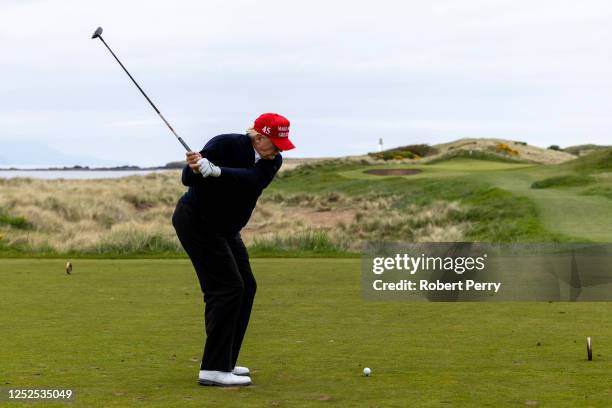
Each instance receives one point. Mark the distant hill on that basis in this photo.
(598, 160)
(485, 148)
(581, 150)
(174, 165)
(519, 151)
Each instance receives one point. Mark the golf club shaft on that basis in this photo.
(145, 95)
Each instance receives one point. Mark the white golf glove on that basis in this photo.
(208, 169)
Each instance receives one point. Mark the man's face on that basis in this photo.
(265, 147)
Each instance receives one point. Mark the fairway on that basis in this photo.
(562, 210)
(565, 210)
(129, 333)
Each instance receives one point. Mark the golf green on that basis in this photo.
(129, 333)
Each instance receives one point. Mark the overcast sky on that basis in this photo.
(344, 72)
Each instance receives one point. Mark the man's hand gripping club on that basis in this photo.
(199, 164)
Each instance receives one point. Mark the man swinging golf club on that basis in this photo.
(225, 180)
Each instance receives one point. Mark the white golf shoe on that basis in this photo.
(222, 379)
(241, 371)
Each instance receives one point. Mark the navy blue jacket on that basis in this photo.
(225, 203)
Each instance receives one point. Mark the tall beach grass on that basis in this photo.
(132, 215)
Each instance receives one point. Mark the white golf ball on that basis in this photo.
(366, 372)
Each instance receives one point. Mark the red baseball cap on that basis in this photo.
(276, 128)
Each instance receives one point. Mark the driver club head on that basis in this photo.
(97, 33)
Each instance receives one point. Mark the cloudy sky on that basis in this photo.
(344, 72)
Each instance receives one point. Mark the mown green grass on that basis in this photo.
(129, 333)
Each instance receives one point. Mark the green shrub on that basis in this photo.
(503, 148)
(600, 190)
(393, 155)
(15, 222)
(420, 150)
(405, 152)
(476, 155)
(596, 161)
(563, 181)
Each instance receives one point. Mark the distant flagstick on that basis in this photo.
(98, 34)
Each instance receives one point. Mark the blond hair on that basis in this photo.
(251, 132)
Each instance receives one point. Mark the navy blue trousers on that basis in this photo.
(222, 265)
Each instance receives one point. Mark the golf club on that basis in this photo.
(98, 34)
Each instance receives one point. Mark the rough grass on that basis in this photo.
(405, 152)
(112, 216)
(122, 217)
(317, 241)
(597, 161)
(476, 155)
(569, 180)
(492, 214)
(579, 150)
(318, 208)
(373, 217)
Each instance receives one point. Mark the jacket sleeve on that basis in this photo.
(189, 178)
(255, 178)
(211, 151)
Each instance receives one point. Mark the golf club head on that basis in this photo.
(97, 33)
